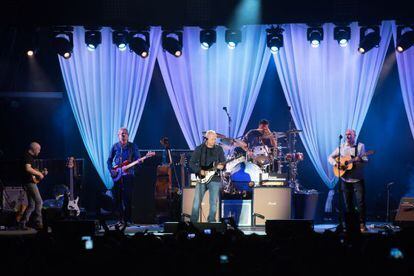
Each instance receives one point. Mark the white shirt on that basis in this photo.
(349, 150)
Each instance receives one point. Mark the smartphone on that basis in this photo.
(88, 242)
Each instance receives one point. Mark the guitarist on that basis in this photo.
(35, 202)
(204, 157)
(124, 187)
(353, 180)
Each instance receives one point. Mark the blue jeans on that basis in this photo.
(200, 190)
(35, 204)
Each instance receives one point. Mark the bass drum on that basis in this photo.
(245, 175)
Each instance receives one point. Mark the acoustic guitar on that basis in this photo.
(347, 163)
(36, 179)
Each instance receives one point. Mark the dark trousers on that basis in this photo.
(122, 193)
(358, 189)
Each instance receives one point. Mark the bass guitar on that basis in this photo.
(119, 170)
(72, 205)
(211, 170)
(347, 163)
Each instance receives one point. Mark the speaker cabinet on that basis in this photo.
(14, 199)
(187, 205)
(405, 213)
(271, 203)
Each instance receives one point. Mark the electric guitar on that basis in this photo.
(72, 206)
(36, 179)
(347, 163)
(210, 171)
(119, 170)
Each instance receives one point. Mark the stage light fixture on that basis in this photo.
(139, 43)
(405, 38)
(207, 38)
(63, 43)
(342, 34)
(315, 36)
(120, 39)
(172, 42)
(232, 38)
(369, 37)
(92, 39)
(274, 39)
(30, 53)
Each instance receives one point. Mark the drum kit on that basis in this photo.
(254, 163)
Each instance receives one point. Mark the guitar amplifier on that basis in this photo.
(405, 213)
(14, 198)
(273, 179)
(271, 203)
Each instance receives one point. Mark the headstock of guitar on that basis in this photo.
(70, 162)
(183, 159)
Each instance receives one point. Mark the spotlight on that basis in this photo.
(369, 38)
(139, 43)
(172, 42)
(233, 37)
(120, 39)
(207, 38)
(274, 39)
(315, 36)
(405, 38)
(342, 34)
(92, 39)
(63, 43)
(30, 53)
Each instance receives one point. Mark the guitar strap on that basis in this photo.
(356, 148)
(130, 152)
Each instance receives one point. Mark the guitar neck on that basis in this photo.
(135, 162)
(71, 196)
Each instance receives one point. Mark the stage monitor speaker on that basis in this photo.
(271, 203)
(187, 205)
(289, 228)
(405, 213)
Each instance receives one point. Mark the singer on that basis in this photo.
(353, 180)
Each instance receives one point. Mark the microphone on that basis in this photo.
(225, 108)
(340, 136)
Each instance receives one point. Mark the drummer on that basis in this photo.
(262, 136)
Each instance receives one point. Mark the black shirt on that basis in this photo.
(204, 157)
(28, 159)
(254, 138)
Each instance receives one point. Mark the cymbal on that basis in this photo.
(280, 134)
(233, 142)
(218, 134)
(294, 131)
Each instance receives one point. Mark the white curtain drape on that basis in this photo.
(201, 82)
(107, 89)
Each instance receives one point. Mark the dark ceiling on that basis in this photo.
(194, 12)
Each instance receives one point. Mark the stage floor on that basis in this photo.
(373, 227)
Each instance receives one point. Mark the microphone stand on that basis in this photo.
(229, 118)
(388, 186)
(340, 227)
